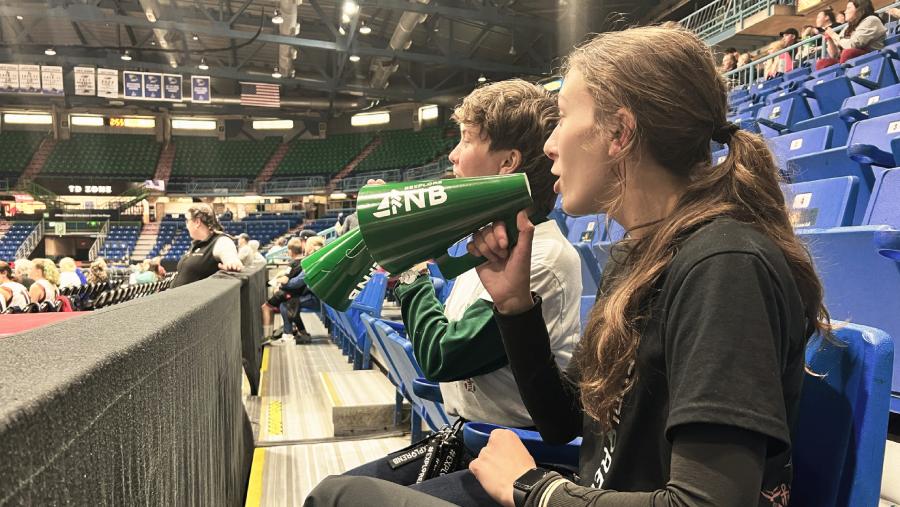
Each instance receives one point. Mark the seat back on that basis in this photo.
(839, 437)
(405, 369)
(590, 269)
(877, 132)
(866, 100)
(822, 203)
(799, 143)
(784, 113)
(871, 71)
(588, 229)
(884, 204)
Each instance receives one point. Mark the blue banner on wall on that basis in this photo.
(134, 85)
(172, 87)
(152, 86)
(200, 91)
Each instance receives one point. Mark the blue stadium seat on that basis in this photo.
(855, 108)
(405, 371)
(822, 203)
(884, 205)
(870, 144)
(780, 116)
(870, 72)
(799, 143)
(839, 437)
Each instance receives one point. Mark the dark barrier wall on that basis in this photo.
(253, 294)
(138, 403)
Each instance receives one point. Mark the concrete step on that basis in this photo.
(362, 402)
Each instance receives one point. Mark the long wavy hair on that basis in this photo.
(864, 9)
(666, 77)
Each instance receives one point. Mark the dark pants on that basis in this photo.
(366, 484)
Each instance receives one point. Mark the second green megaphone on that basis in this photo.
(406, 223)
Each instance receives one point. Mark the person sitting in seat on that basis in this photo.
(243, 241)
(13, 293)
(68, 276)
(255, 256)
(503, 127)
(210, 251)
(22, 272)
(98, 271)
(46, 278)
(864, 33)
(149, 272)
(688, 377)
(295, 251)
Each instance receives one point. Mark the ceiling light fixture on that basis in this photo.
(195, 37)
(481, 78)
(203, 65)
(276, 73)
(277, 18)
(50, 52)
(365, 29)
(354, 58)
(151, 15)
(342, 31)
(350, 8)
(126, 56)
(19, 17)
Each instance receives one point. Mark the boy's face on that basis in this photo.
(473, 157)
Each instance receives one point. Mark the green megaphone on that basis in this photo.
(406, 223)
(334, 273)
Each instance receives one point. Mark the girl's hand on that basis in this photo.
(503, 460)
(507, 273)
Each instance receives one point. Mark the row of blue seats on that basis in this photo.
(844, 404)
(13, 239)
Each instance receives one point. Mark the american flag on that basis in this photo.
(260, 94)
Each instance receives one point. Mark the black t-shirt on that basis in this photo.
(199, 262)
(724, 344)
(295, 268)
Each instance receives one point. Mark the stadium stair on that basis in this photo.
(273, 163)
(37, 161)
(164, 164)
(358, 159)
(145, 241)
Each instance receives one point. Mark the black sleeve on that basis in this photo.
(550, 395)
(725, 346)
(711, 466)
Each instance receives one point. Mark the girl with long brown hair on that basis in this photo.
(687, 380)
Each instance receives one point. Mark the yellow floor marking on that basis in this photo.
(332, 392)
(255, 487)
(274, 423)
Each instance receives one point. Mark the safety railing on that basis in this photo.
(99, 242)
(31, 242)
(720, 15)
(431, 171)
(781, 61)
(211, 187)
(303, 186)
(354, 183)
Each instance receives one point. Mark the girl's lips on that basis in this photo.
(556, 187)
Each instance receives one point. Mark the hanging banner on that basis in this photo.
(172, 87)
(84, 81)
(200, 89)
(9, 78)
(108, 83)
(134, 85)
(152, 86)
(52, 79)
(30, 78)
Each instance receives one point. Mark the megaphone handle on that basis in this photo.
(451, 267)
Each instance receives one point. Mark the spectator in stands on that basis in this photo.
(68, 276)
(149, 272)
(779, 64)
(729, 63)
(864, 33)
(22, 270)
(244, 253)
(826, 19)
(893, 13)
(227, 216)
(98, 272)
(46, 280)
(688, 377)
(744, 59)
(12, 292)
(841, 17)
(291, 286)
(210, 251)
(255, 256)
(789, 37)
(350, 223)
(503, 126)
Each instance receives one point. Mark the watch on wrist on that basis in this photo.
(523, 486)
(409, 276)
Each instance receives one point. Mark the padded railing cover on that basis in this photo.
(134, 404)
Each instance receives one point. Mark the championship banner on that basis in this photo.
(9, 78)
(152, 86)
(52, 79)
(200, 91)
(84, 81)
(172, 87)
(134, 84)
(29, 78)
(108, 83)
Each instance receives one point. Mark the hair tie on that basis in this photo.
(723, 134)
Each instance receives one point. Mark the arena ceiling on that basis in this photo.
(409, 50)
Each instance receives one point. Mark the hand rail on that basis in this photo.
(99, 242)
(31, 242)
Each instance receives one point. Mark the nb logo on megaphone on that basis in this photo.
(401, 201)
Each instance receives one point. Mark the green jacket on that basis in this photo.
(449, 351)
